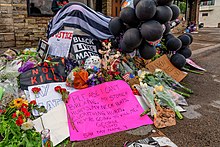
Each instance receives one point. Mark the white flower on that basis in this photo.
(158, 70)
(27, 125)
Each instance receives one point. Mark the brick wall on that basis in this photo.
(16, 28)
(19, 30)
(109, 7)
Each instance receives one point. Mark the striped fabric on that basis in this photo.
(80, 16)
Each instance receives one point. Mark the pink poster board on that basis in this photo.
(103, 109)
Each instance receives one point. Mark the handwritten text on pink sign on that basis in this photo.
(104, 109)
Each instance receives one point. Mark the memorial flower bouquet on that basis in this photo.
(16, 126)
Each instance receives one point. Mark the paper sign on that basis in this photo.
(164, 64)
(60, 43)
(84, 47)
(193, 64)
(56, 121)
(103, 109)
(47, 96)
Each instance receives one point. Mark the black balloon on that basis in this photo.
(176, 11)
(178, 60)
(127, 15)
(115, 26)
(125, 49)
(132, 38)
(173, 44)
(145, 9)
(191, 37)
(185, 39)
(167, 28)
(163, 14)
(168, 36)
(147, 51)
(186, 52)
(164, 2)
(135, 2)
(151, 30)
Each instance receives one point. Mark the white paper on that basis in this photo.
(56, 121)
(180, 109)
(59, 44)
(164, 141)
(47, 96)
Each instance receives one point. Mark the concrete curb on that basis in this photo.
(206, 50)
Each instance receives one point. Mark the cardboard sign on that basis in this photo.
(164, 64)
(47, 96)
(60, 43)
(193, 64)
(84, 47)
(103, 109)
(56, 121)
(42, 49)
(44, 74)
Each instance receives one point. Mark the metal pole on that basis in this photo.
(186, 10)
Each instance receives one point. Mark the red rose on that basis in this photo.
(57, 88)
(19, 121)
(24, 110)
(33, 102)
(27, 114)
(35, 90)
(24, 105)
(14, 115)
(106, 41)
(63, 90)
(117, 73)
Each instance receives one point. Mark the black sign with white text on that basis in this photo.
(84, 46)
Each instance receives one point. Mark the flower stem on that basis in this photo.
(193, 71)
(179, 115)
(182, 93)
(42, 122)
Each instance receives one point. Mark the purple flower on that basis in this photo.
(26, 66)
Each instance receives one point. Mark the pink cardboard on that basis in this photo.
(103, 109)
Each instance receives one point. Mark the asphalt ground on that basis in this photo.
(201, 124)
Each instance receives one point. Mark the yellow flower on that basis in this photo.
(18, 103)
(27, 125)
(158, 88)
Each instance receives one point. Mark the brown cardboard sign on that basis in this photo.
(164, 64)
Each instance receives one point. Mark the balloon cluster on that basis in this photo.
(148, 22)
(181, 47)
